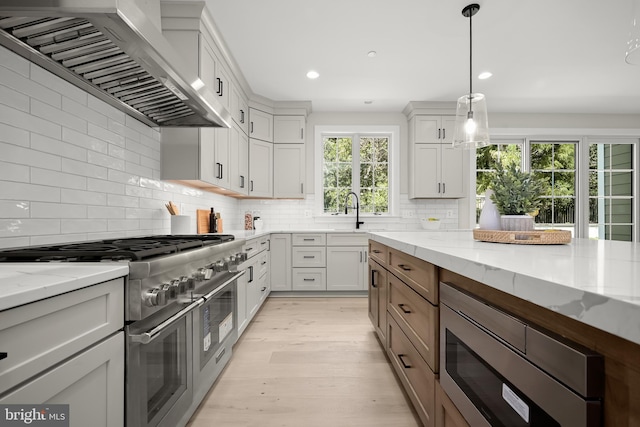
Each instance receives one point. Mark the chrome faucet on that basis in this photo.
(346, 207)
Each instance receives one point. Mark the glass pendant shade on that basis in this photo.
(632, 55)
(472, 125)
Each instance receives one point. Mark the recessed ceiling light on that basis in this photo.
(313, 75)
(368, 102)
(372, 54)
(484, 75)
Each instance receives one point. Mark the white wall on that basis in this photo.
(73, 168)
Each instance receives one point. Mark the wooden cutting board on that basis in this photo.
(202, 220)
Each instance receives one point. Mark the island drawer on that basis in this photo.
(309, 256)
(420, 275)
(416, 317)
(379, 252)
(308, 239)
(414, 373)
(309, 279)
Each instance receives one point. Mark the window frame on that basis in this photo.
(390, 131)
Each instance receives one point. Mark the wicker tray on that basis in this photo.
(536, 237)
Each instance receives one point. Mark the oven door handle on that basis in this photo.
(149, 336)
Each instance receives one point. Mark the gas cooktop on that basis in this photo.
(125, 249)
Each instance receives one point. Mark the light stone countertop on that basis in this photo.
(26, 282)
(593, 281)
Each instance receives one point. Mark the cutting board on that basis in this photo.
(202, 218)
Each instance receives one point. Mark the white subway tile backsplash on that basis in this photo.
(105, 160)
(28, 89)
(141, 128)
(121, 128)
(104, 186)
(83, 197)
(84, 113)
(14, 209)
(83, 225)
(56, 115)
(59, 179)
(57, 210)
(137, 169)
(105, 212)
(14, 172)
(20, 155)
(56, 239)
(13, 99)
(123, 224)
(13, 62)
(151, 183)
(57, 147)
(116, 151)
(143, 150)
(14, 242)
(48, 80)
(105, 135)
(123, 177)
(84, 169)
(124, 201)
(131, 190)
(106, 110)
(144, 214)
(85, 141)
(28, 226)
(31, 192)
(14, 136)
(23, 120)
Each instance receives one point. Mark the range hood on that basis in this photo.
(111, 49)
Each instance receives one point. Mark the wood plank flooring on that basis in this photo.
(307, 362)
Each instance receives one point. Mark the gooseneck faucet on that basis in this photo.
(346, 207)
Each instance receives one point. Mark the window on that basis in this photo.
(611, 201)
(357, 163)
(358, 159)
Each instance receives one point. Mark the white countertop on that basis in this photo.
(25, 282)
(593, 281)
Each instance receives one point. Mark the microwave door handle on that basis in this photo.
(149, 336)
(219, 288)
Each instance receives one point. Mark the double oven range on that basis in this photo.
(180, 315)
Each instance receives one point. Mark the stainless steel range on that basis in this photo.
(180, 315)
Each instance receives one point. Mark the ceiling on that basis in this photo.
(545, 55)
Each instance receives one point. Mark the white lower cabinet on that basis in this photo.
(254, 286)
(280, 262)
(309, 279)
(241, 299)
(346, 268)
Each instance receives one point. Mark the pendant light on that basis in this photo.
(472, 125)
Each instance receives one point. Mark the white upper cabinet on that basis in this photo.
(289, 129)
(239, 109)
(260, 168)
(260, 125)
(288, 171)
(239, 161)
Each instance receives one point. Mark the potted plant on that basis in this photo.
(516, 194)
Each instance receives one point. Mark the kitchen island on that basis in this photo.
(586, 291)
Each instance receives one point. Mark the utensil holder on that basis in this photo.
(180, 224)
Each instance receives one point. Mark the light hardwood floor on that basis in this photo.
(307, 362)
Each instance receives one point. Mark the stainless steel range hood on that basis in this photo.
(111, 49)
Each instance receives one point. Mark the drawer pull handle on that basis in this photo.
(263, 243)
(309, 280)
(263, 262)
(376, 251)
(309, 256)
(404, 364)
(404, 267)
(248, 249)
(404, 310)
(3, 356)
(309, 240)
(373, 278)
(264, 288)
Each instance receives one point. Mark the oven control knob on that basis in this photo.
(170, 291)
(220, 266)
(232, 260)
(154, 297)
(199, 274)
(188, 283)
(241, 256)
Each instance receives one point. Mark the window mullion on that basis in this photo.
(355, 164)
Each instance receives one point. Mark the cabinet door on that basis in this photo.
(427, 129)
(447, 415)
(207, 64)
(377, 282)
(239, 161)
(260, 125)
(239, 109)
(223, 86)
(260, 168)
(454, 171)
(288, 129)
(426, 173)
(448, 125)
(280, 266)
(241, 298)
(288, 171)
(222, 172)
(345, 268)
(253, 288)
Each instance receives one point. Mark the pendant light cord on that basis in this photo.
(470, 55)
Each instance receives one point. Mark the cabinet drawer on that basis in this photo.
(255, 246)
(309, 279)
(347, 239)
(414, 373)
(417, 318)
(447, 415)
(81, 318)
(309, 257)
(379, 252)
(263, 264)
(308, 239)
(420, 275)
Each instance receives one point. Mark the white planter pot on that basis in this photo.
(517, 222)
(489, 217)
